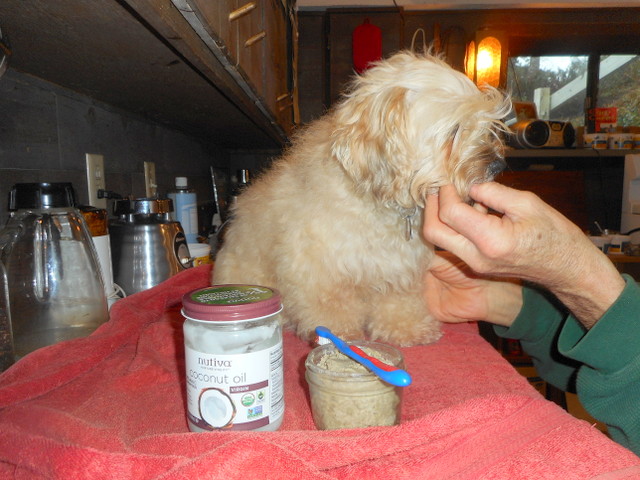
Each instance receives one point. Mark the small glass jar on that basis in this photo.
(234, 358)
(345, 394)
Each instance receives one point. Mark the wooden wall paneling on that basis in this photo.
(311, 62)
(543, 31)
(531, 32)
(453, 35)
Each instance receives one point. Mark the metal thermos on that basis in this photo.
(147, 247)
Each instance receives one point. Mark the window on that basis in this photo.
(562, 87)
(619, 86)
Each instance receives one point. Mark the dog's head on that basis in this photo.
(411, 124)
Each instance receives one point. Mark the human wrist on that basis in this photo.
(505, 302)
(539, 310)
(595, 287)
(615, 329)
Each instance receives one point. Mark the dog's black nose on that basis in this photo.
(496, 167)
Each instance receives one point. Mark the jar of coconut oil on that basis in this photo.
(233, 356)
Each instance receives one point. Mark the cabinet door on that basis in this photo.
(278, 90)
(226, 30)
(249, 55)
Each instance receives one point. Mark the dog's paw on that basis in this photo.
(408, 334)
(401, 318)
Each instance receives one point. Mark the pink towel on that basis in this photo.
(111, 406)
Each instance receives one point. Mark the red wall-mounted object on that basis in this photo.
(367, 45)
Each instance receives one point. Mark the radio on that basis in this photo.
(534, 133)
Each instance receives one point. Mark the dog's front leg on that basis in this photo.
(337, 306)
(402, 318)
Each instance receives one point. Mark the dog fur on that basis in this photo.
(326, 224)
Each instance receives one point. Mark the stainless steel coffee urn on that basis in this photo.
(147, 247)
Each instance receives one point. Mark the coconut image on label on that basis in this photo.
(216, 408)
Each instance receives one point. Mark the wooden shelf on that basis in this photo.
(616, 258)
(566, 153)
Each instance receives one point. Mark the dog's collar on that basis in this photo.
(408, 214)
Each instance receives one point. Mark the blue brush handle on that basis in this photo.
(398, 377)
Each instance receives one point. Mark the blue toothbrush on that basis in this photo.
(388, 373)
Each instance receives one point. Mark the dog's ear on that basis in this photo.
(369, 138)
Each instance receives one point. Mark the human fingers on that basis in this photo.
(433, 230)
(471, 222)
(480, 207)
(443, 235)
(505, 199)
(524, 211)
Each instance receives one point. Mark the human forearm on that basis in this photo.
(592, 285)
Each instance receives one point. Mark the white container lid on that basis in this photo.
(199, 249)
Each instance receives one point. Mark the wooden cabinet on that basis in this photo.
(236, 28)
(627, 264)
(252, 40)
(214, 69)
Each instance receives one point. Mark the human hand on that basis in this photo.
(456, 294)
(530, 240)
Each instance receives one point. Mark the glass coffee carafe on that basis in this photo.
(51, 273)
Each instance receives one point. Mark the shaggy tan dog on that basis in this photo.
(334, 223)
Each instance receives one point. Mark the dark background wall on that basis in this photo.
(325, 38)
(325, 67)
(46, 130)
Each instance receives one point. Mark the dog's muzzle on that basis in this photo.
(495, 168)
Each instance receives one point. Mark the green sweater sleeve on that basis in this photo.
(608, 381)
(537, 327)
(604, 361)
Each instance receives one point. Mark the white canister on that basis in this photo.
(234, 358)
(601, 242)
(619, 243)
(620, 141)
(200, 253)
(595, 140)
